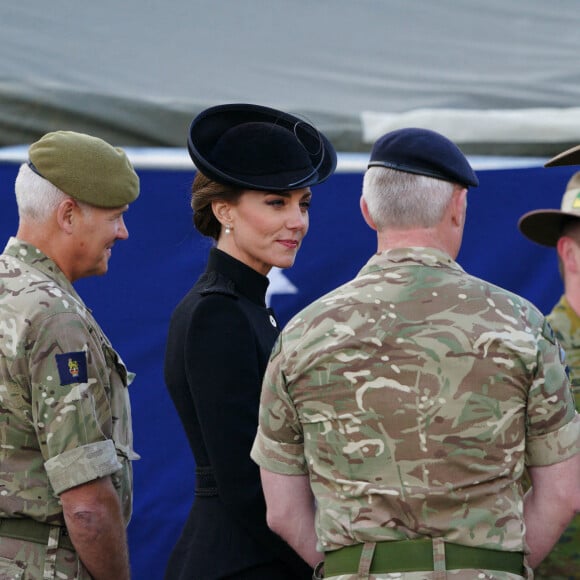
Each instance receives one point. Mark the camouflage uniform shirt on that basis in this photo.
(64, 407)
(564, 560)
(414, 395)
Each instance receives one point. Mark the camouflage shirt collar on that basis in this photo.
(36, 259)
(414, 255)
(564, 318)
(568, 310)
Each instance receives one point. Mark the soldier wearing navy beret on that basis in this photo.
(66, 438)
(398, 412)
(257, 167)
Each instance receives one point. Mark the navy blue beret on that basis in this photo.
(423, 152)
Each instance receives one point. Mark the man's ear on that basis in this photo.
(65, 215)
(459, 206)
(366, 214)
(569, 254)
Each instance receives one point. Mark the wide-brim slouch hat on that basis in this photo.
(260, 148)
(423, 152)
(544, 226)
(86, 168)
(569, 157)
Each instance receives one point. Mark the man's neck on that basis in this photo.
(47, 241)
(572, 294)
(424, 238)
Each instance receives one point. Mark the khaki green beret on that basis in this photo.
(86, 168)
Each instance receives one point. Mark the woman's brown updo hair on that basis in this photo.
(203, 191)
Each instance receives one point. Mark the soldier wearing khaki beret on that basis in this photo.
(65, 457)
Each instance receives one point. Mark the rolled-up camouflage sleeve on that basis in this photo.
(553, 429)
(81, 465)
(70, 402)
(278, 446)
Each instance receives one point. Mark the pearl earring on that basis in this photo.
(228, 229)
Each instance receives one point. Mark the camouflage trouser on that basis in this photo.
(21, 560)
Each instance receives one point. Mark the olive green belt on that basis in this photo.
(32, 531)
(417, 556)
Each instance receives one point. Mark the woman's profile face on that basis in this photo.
(266, 228)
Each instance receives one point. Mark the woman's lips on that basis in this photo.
(292, 244)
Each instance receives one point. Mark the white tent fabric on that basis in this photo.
(500, 77)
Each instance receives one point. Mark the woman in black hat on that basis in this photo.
(251, 195)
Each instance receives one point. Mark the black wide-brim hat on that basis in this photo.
(255, 147)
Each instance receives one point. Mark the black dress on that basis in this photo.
(220, 338)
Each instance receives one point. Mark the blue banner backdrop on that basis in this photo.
(151, 271)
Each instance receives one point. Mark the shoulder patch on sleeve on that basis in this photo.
(72, 367)
(563, 360)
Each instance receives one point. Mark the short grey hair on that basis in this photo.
(36, 197)
(405, 200)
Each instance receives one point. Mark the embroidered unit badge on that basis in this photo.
(72, 367)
